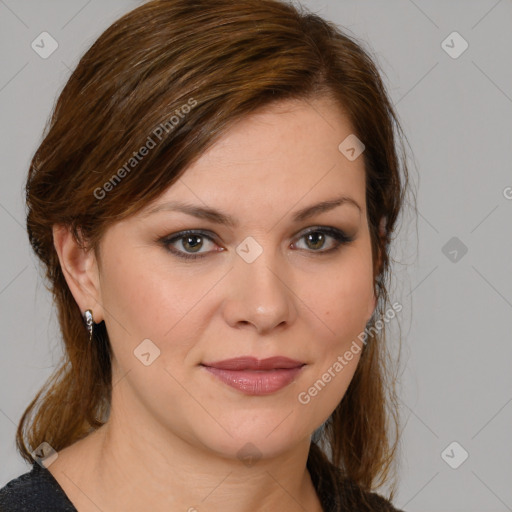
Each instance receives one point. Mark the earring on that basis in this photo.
(89, 322)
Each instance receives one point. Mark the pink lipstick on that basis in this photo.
(253, 376)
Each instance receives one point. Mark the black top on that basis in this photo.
(38, 491)
(35, 491)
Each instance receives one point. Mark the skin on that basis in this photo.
(174, 431)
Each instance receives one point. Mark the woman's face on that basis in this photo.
(260, 287)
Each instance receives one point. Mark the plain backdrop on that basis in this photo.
(453, 271)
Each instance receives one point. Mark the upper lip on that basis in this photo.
(252, 363)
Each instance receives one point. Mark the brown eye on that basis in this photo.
(317, 238)
(187, 245)
(192, 243)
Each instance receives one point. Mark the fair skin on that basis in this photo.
(174, 430)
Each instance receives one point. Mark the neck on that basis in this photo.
(171, 474)
(140, 465)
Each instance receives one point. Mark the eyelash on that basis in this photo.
(340, 237)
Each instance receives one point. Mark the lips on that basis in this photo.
(253, 376)
(252, 364)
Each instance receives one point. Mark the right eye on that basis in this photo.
(191, 243)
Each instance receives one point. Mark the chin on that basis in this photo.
(254, 439)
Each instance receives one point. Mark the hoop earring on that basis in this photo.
(89, 322)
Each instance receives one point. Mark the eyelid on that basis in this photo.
(203, 233)
(340, 237)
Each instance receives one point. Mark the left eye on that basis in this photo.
(316, 239)
(192, 242)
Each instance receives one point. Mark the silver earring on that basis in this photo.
(89, 322)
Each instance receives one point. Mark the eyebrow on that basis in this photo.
(219, 217)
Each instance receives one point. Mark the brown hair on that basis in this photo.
(186, 70)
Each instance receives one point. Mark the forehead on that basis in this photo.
(285, 154)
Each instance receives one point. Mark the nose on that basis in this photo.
(259, 296)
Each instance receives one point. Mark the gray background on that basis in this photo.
(455, 325)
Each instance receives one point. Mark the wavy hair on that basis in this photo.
(207, 63)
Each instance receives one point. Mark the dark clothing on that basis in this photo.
(35, 491)
(38, 491)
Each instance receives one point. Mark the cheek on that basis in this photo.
(342, 298)
(137, 294)
(153, 300)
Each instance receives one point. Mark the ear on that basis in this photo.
(371, 307)
(378, 264)
(80, 269)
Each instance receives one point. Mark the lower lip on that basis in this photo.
(256, 382)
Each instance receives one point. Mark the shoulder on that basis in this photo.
(358, 499)
(34, 491)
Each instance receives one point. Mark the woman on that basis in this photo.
(213, 204)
